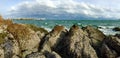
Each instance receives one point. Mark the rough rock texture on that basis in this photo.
(24, 37)
(96, 38)
(106, 52)
(18, 40)
(36, 55)
(52, 39)
(29, 41)
(77, 45)
(1, 52)
(95, 35)
(114, 43)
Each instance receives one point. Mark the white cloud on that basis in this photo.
(61, 8)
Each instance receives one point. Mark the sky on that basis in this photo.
(61, 9)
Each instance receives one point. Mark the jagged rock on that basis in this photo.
(116, 29)
(106, 52)
(96, 38)
(77, 45)
(114, 43)
(35, 55)
(27, 39)
(52, 39)
(95, 35)
(9, 46)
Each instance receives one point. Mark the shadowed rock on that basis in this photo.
(24, 36)
(29, 41)
(96, 38)
(52, 39)
(35, 55)
(77, 45)
(116, 29)
(114, 43)
(107, 52)
(117, 35)
(95, 35)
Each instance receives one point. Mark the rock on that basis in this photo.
(46, 54)
(114, 43)
(35, 28)
(117, 35)
(2, 37)
(106, 52)
(10, 47)
(35, 55)
(51, 54)
(15, 56)
(96, 38)
(77, 45)
(95, 35)
(116, 29)
(1, 53)
(27, 39)
(56, 55)
(52, 39)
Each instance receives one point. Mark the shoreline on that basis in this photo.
(29, 41)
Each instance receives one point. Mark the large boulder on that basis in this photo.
(107, 52)
(96, 38)
(116, 29)
(114, 43)
(95, 35)
(27, 39)
(52, 39)
(8, 46)
(77, 45)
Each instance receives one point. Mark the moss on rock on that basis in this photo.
(19, 31)
(2, 37)
(35, 28)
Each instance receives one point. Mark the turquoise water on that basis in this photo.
(105, 25)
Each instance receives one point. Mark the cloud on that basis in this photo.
(64, 9)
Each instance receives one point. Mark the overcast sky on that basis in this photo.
(62, 9)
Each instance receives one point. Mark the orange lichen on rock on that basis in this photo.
(1, 20)
(18, 30)
(58, 28)
(6, 22)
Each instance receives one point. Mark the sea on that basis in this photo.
(106, 26)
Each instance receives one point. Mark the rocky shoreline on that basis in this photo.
(29, 41)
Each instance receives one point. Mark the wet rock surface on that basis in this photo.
(116, 29)
(29, 41)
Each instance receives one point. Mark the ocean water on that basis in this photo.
(105, 26)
